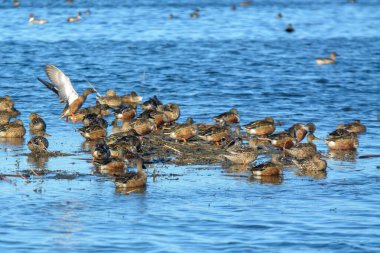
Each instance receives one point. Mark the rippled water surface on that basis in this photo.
(224, 59)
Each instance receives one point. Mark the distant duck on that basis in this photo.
(233, 7)
(330, 60)
(171, 16)
(74, 19)
(88, 12)
(279, 15)
(289, 29)
(16, 3)
(245, 3)
(34, 21)
(195, 13)
(132, 179)
(69, 1)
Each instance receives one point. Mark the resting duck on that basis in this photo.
(262, 127)
(131, 98)
(341, 139)
(94, 119)
(36, 124)
(215, 134)
(270, 168)
(141, 126)
(125, 113)
(5, 117)
(303, 150)
(171, 110)
(101, 151)
(289, 29)
(312, 163)
(74, 19)
(93, 132)
(14, 129)
(132, 179)
(239, 154)
(158, 117)
(185, 131)
(230, 117)
(299, 131)
(354, 127)
(34, 21)
(38, 144)
(151, 104)
(61, 85)
(110, 99)
(330, 60)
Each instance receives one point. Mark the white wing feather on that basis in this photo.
(63, 84)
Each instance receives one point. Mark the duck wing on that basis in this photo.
(61, 83)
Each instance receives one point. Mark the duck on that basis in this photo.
(34, 21)
(303, 150)
(262, 128)
(16, 3)
(38, 144)
(120, 136)
(283, 140)
(159, 117)
(98, 109)
(185, 131)
(269, 168)
(141, 126)
(331, 60)
(88, 12)
(36, 124)
(229, 117)
(172, 16)
(101, 151)
(279, 15)
(171, 110)
(151, 104)
(341, 139)
(299, 131)
(239, 154)
(13, 129)
(215, 134)
(131, 98)
(132, 179)
(94, 119)
(353, 127)
(195, 13)
(74, 19)
(312, 163)
(125, 113)
(289, 29)
(110, 99)
(61, 85)
(6, 103)
(93, 132)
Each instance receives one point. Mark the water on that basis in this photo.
(225, 59)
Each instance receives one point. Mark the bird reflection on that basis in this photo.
(343, 155)
(12, 141)
(37, 160)
(126, 191)
(266, 179)
(316, 174)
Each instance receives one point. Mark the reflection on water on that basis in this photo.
(312, 173)
(126, 191)
(38, 161)
(234, 168)
(12, 142)
(343, 155)
(266, 179)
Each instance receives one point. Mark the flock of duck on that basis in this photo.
(123, 148)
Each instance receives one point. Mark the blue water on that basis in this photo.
(224, 59)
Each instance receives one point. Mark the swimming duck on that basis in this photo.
(330, 60)
(354, 127)
(131, 98)
(262, 127)
(133, 179)
(34, 21)
(303, 150)
(230, 117)
(101, 151)
(13, 129)
(61, 85)
(151, 104)
(195, 13)
(289, 29)
(171, 110)
(93, 132)
(215, 134)
(240, 154)
(110, 99)
(36, 124)
(185, 131)
(38, 144)
(270, 168)
(341, 139)
(16, 3)
(312, 163)
(245, 3)
(125, 113)
(141, 126)
(74, 19)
